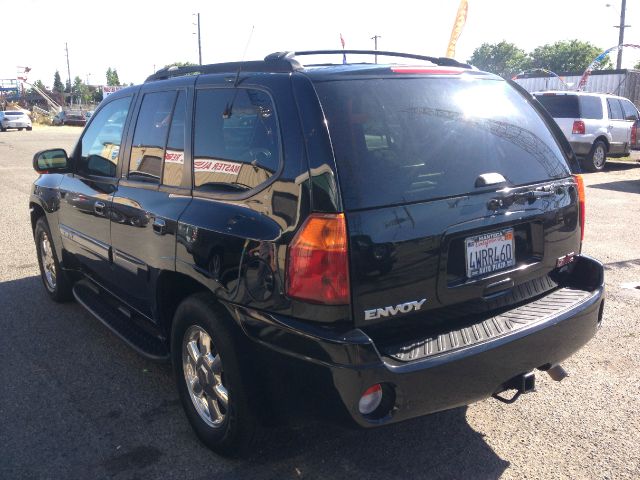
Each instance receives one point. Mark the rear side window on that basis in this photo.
(174, 154)
(150, 136)
(615, 110)
(235, 145)
(406, 140)
(560, 106)
(590, 107)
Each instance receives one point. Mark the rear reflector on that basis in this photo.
(370, 399)
(429, 70)
(581, 200)
(317, 261)
(578, 127)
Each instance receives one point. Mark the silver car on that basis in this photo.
(597, 125)
(14, 119)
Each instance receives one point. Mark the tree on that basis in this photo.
(504, 59)
(81, 91)
(112, 77)
(38, 84)
(58, 86)
(181, 64)
(567, 56)
(637, 66)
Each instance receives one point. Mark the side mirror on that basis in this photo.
(51, 161)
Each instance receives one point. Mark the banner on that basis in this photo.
(109, 89)
(458, 25)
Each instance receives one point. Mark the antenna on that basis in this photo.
(229, 108)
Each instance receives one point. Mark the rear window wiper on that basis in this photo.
(509, 198)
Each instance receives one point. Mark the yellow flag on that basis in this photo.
(461, 18)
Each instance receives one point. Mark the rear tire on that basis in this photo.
(597, 158)
(212, 381)
(55, 281)
(29, 129)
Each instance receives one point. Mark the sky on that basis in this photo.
(137, 36)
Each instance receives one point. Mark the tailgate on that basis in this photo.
(410, 260)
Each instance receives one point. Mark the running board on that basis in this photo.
(118, 318)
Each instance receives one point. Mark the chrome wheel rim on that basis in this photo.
(48, 262)
(202, 367)
(598, 157)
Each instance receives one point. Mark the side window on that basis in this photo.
(590, 107)
(150, 136)
(615, 110)
(630, 110)
(174, 154)
(235, 145)
(100, 144)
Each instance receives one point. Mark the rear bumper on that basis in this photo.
(581, 149)
(352, 362)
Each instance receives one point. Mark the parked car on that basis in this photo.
(14, 119)
(597, 125)
(373, 242)
(70, 118)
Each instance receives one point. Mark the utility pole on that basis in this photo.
(375, 43)
(623, 9)
(199, 44)
(66, 47)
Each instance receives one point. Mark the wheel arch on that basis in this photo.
(36, 211)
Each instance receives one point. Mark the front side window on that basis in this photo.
(150, 136)
(630, 110)
(100, 144)
(235, 146)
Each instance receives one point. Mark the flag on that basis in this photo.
(461, 18)
(344, 56)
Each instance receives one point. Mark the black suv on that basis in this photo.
(378, 241)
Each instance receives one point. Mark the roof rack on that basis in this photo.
(440, 61)
(285, 62)
(269, 65)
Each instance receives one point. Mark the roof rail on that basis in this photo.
(440, 61)
(270, 65)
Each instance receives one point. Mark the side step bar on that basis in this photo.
(119, 320)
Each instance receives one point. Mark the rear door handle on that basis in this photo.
(98, 207)
(159, 226)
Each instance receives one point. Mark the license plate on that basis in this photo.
(489, 252)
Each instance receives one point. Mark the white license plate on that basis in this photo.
(489, 252)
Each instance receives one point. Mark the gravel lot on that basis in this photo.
(75, 402)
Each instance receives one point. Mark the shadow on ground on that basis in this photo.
(82, 403)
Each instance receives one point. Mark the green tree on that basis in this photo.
(567, 56)
(637, 66)
(58, 86)
(81, 91)
(504, 59)
(181, 64)
(38, 84)
(112, 77)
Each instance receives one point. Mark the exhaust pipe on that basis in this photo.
(557, 373)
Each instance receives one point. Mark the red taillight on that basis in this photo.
(634, 135)
(581, 201)
(317, 261)
(578, 127)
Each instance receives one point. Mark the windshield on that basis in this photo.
(414, 139)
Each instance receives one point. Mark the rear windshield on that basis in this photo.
(415, 139)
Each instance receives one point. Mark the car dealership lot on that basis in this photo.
(75, 401)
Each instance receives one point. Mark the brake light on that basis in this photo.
(634, 134)
(578, 127)
(429, 70)
(581, 203)
(317, 261)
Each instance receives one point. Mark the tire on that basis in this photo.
(55, 281)
(597, 157)
(29, 129)
(205, 355)
(20, 129)
(2, 129)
